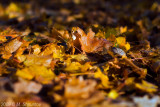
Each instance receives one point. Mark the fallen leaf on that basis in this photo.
(123, 29)
(72, 66)
(38, 60)
(40, 73)
(121, 42)
(89, 43)
(10, 47)
(104, 78)
(24, 86)
(53, 49)
(79, 88)
(146, 86)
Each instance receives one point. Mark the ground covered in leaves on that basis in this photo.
(80, 53)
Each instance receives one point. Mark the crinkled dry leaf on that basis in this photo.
(93, 44)
(89, 43)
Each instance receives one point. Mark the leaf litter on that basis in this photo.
(78, 53)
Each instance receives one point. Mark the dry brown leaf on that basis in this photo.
(90, 43)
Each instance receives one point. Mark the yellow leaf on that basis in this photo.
(129, 81)
(113, 94)
(104, 78)
(56, 51)
(58, 54)
(127, 46)
(100, 34)
(43, 75)
(76, 66)
(121, 41)
(123, 29)
(146, 86)
(12, 7)
(86, 66)
(25, 73)
(40, 73)
(73, 66)
(106, 68)
(12, 10)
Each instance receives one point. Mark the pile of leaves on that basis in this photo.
(62, 56)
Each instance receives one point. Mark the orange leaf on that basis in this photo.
(90, 43)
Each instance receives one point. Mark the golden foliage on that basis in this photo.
(40, 73)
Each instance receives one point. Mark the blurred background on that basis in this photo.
(39, 15)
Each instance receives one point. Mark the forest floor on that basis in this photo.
(80, 53)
